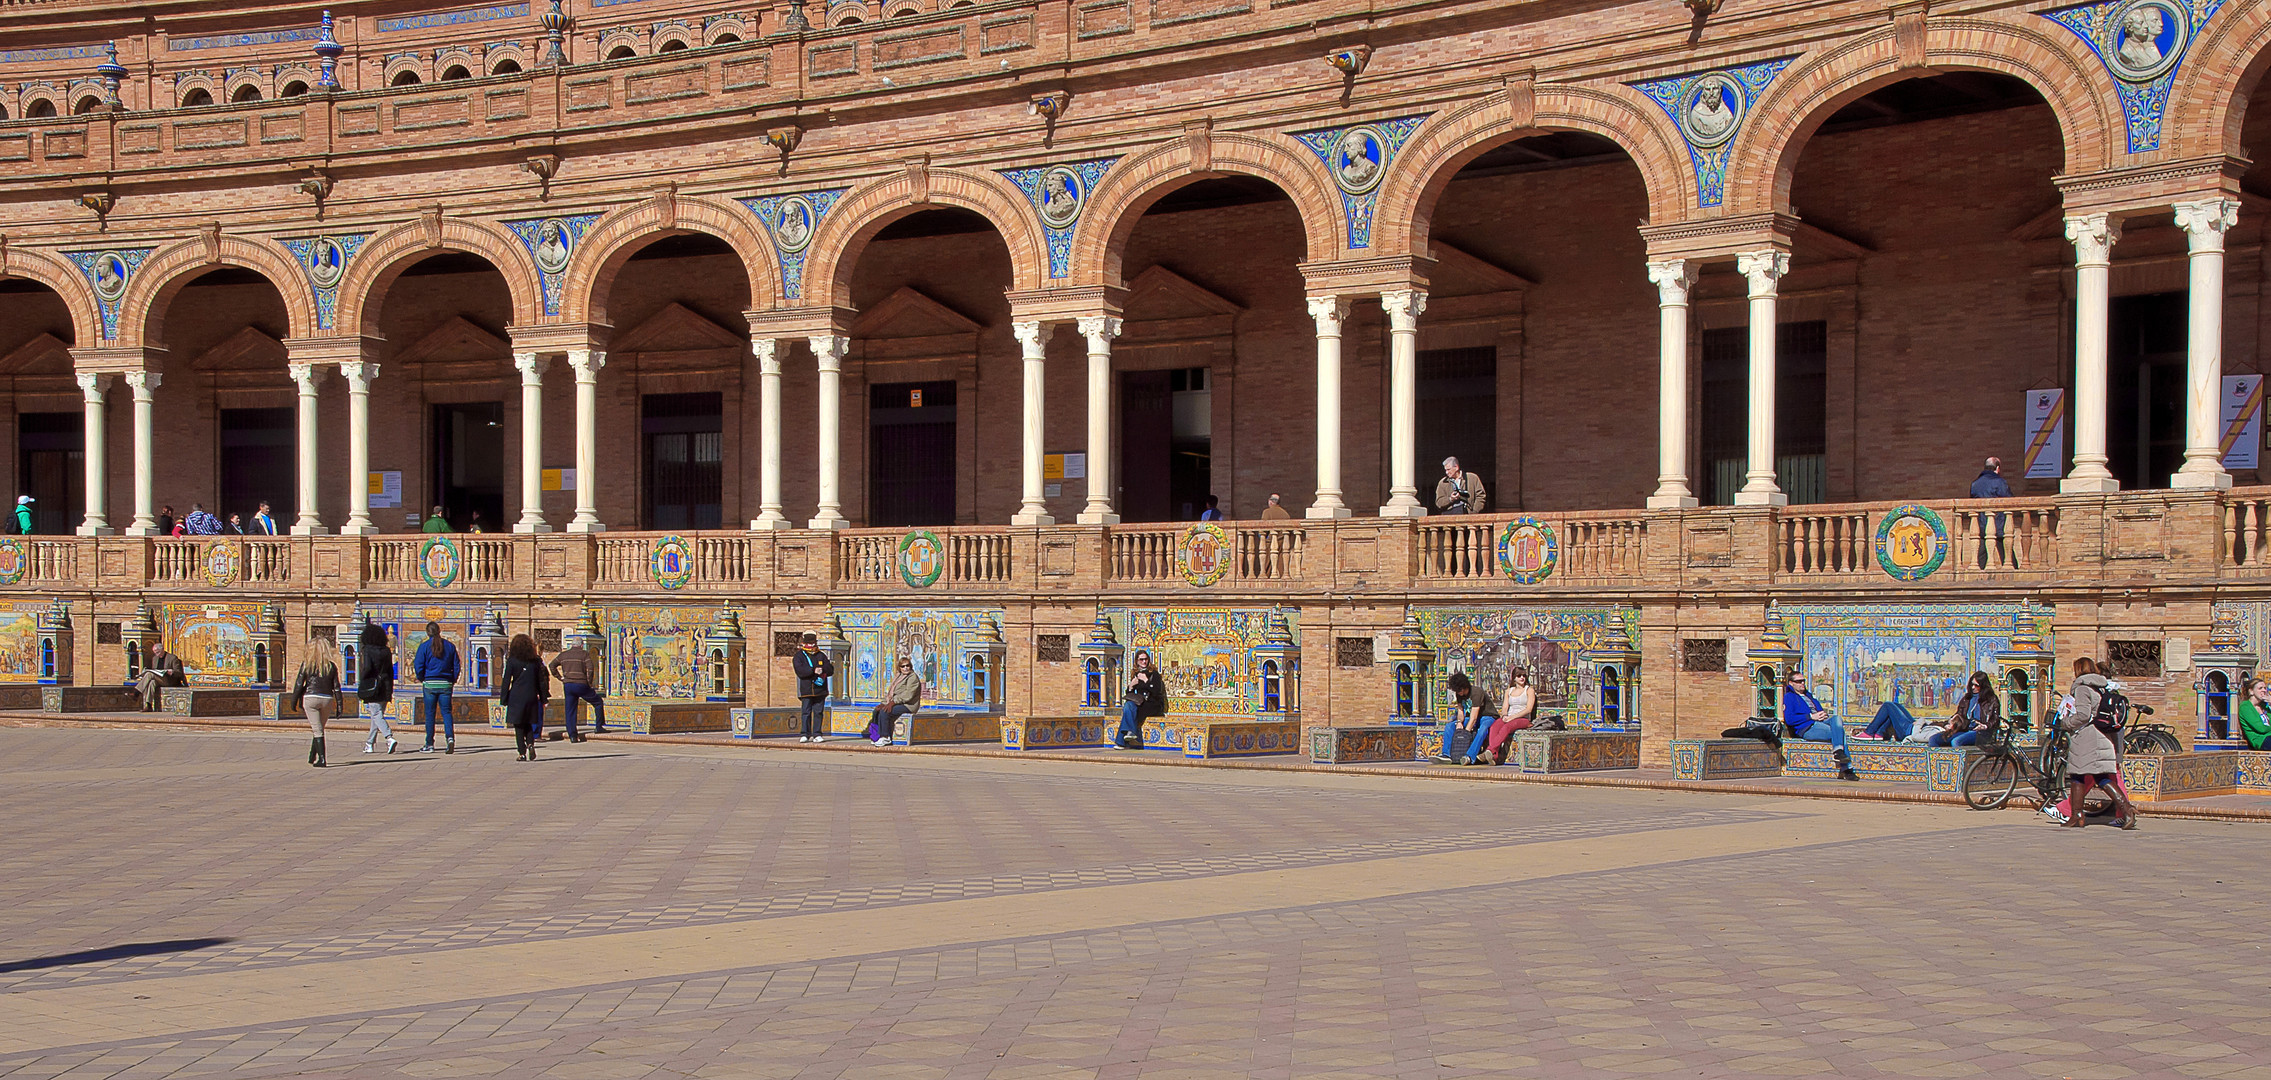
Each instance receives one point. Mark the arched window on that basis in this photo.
(1092, 682)
(981, 681)
(506, 66)
(727, 38)
(1273, 687)
(850, 20)
(347, 665)
(481, 668)
(717, 672)
(196, 96)
(47, 658)
(2018, 696)
(1407, 691)
(247, 92)
(86, 105)
(39, 107)
(455, 71)
(3, 112)
(1769, 692)
(404, 78)
(1612, 697)
(260, 663)
(2216, 703)
(622, 52)
(293, 89)
(673, 45)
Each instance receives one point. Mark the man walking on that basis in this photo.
(1460, 491)
(1276, 510)
(263, 524)
(435, 667)
(813, 670)
(1991, 485)
(201, 522)
(435, 522)
(23, 520)
(163, 670)
(573, 667)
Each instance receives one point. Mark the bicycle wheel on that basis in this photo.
(2151, 741)
(1989, 780)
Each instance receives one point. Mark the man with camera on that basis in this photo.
(1460, 491)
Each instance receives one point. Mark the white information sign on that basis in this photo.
(2045, 435)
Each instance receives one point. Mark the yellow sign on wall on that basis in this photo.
(1052, 466)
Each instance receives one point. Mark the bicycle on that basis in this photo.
(1992, 777)
(2145, 738)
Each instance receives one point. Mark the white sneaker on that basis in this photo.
(2052, 813)
(369, 749)
(882, 742)
(390, 744)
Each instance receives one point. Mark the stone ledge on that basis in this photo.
(1348, 745)
(77, 699)
(1057, 732)
(1724, 759)
(1573, 751)
(763, 722)
(210, 700)
(946, 728)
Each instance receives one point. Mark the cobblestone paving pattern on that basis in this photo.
(1738, 943)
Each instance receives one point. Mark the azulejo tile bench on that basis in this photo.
(1057, 732)
(1724, 759)
(2254, 771)
(764, 721)
(946, 727)
(20, 697)
(1350, 745)
(209, 701)
(1222, 736)
(1573, 751)
(75, 699)
(2166, 777)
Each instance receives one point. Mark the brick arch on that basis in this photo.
(2047, 57)
(142, 311)
(2227, 64)
(855, 220)
(1424, 169)
(614, 238)
(65, 280)
(362, 292)
(1130, 188)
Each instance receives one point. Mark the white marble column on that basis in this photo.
(97, 520)
(1404, 307)
(586, 364)
(1765, 270)
(1032, 339)
(1673, 278)
(1330, 313)
(769, 514)
(2204, 223)
(360, 375)
(144, 384)
(2094, 236)
(531, 367)
(1099, 330)
(828, 350)
(308, 523)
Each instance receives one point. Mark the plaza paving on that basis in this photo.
(203, 903)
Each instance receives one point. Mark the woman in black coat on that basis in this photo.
(526, 689)
(374, 684)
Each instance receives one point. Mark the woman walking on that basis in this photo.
(526, 689)
(374, 684)
(2092, 759)
(1514, 715)
(316, 691)
(1146, 698)
(902, 698)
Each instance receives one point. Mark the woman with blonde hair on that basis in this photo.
(315, 691)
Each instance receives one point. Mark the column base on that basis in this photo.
(532, 527)
(1401, 507)
(2088, 485)
(2201, 481)
(1328, 512)
(587, 526)
(1097, 517)
(310, 530)
(1031, 518)
(96, 530)
(1673, 502)
(1762, 498)
(771, 521)
(830, 521)
(352, 529)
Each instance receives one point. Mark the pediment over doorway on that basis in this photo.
(457, 340)
(677, 329)
(1459, 272)
(44, 354)
(246, 350)
(908, 313)
(1163, 305)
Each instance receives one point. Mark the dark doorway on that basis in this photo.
(910, 454)
(469, 463)
(1190, 473)
(1147, 439)
(51, 449)
(1458, 417)
(1801, 411)
(685, 460)
(258, 463)
(2145, 343)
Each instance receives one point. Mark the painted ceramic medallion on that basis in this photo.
(1202, 554)
(1912, 542)
(327, 261)
(2145, 38)
(1528, 550)
(672, 562)
(552, 245)
(793, 221)
(922, 558)
(15, 560)
(1712, 110)
(110, 273)
(222, 563)
(439, 561)
(1063, 193)
(1360, 160)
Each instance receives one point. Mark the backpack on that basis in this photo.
(2108, 717)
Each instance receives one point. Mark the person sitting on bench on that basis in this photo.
(1470, 707)
(1804, 715)
(163, 670)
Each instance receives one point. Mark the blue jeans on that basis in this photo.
(1891, 721)
(428, 703)
(1131, 723)
(574, 690)
(1828, 731)
(1968, 738)
(811, 716)
(1451, 724)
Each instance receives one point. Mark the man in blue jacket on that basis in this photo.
(1804, 715)
(436, 670)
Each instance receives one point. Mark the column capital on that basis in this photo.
(587, 363)
(768, 353)
(1029, 335)
(360, 374)
(530, 365)
(304, 375)
(1763, 268)
(1673, 278)
(1099, 330)
(2093, 236)
(1404, 307)
(2205, 221)
(94, 384)
(1329, 312)
(143, 382)
(829, 350)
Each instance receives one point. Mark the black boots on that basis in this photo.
(1845, 767)
(315, 752)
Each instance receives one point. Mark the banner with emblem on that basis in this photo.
(2243, 421)
(2045, 435)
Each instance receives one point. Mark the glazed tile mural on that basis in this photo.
(1487, 643)
(214, 641)
(1205, 654)
(655, 651)
(406, 630)
(1860, 656)
(933, 638)
(19, 640)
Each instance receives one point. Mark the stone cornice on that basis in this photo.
(1719, 238)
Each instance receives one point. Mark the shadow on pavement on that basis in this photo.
(113, 952)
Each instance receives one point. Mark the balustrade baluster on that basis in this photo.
(2252, 513)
